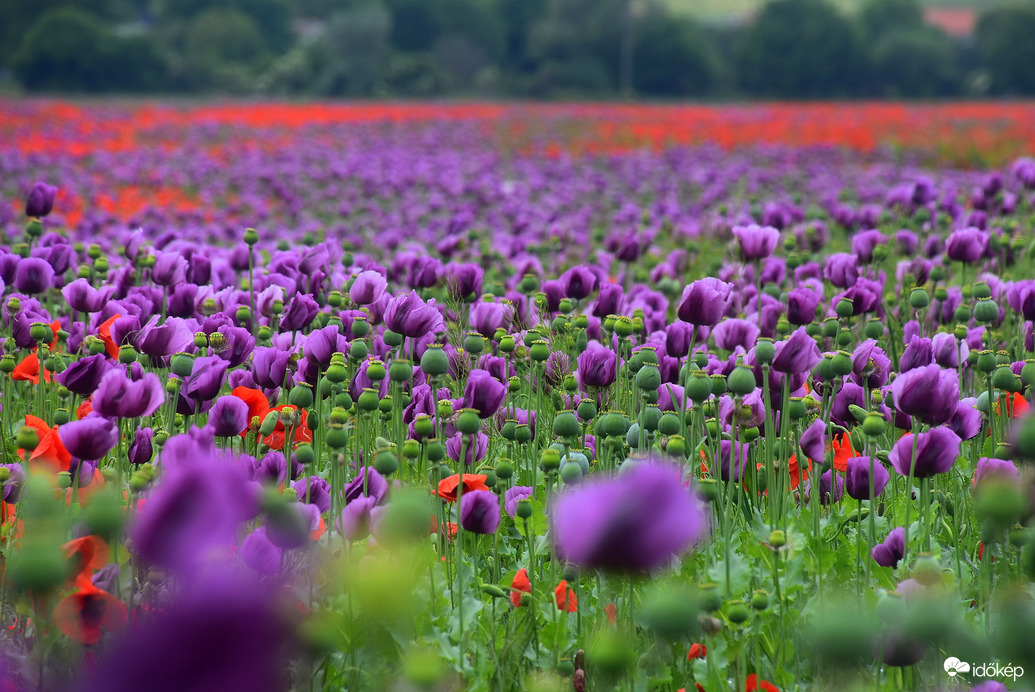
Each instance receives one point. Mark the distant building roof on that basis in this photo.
(957, 22)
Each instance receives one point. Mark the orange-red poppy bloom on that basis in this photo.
(520, 585)
(104, 332)
(85, 556)
(447, 487)
(87, 611)
(259, 407)
(1016, 405)
(841, 443)
(696, 651)
(753, 683)
(611, 612)
(84, 410)
(566, 600)
(29, 370)
(50, 453)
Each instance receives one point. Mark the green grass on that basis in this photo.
(727, 9)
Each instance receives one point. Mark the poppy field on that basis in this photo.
(504, 397)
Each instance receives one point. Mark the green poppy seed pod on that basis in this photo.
(550, 459)
(571, 473)
(436, 451)
(14, 305)
(796, 409)
(376, 370)
(524, 509)
(391, 338)
(400, 371)
(336, 373)
(61, 416)
(172, 386)
(523, 433)
(560, 324)
(623, 326)
(874, 329)
(489, 590)
(445, 408)
(566, 424)
(335, 299)
(986, 311)
(741, 381)
(919, 299)
(103, 516)
(830, 328)
(539, 351)
(712, 427)
(637, 324)
(424, 425)
(927, 571)
(699, 386)
(760, 600)
(243, 314)
(507, 344)
(337, 437)
(127, 354)
(95, 346)
(301, 395)
(587, 410)
(269, 423)
(570, 384)
(985, 362)
(844, 308)
(468, 422)
(669, 424)
(251, 236)
(528, 284)
(1003, 378)
(38, 566)
(709, 598)
(941, 293)
(41, 332)
(937, 273)
(648, 378)
(709, 490)
(360, 327)
(670, 612)
(27, 439)
(777, 538)
(873, 425)
(34, 229)
(304, 454)
(200, 339)
(264, 334)
(749, 435)
(385, 462)
(845, 338)
(64, 480)
(7, 363)
(765, 351)
(387, 404)
(981, 290)
(1002, 358)
(504, 469)
(139, 482)
(474, 343)
(1019, 536)
(651, 417)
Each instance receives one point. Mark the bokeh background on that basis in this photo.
(521, 49)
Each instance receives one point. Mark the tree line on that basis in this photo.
(549, 49)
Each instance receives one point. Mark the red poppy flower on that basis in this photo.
(566, 600)
(797, 473)
(82, 494)
(84, 410)
(696, 651)
(104, 332)
(841, 443)
(447, 487)
(85, 556)
(86, 611)
(1016, 405)
(29, 370)
(520, 585)
(319, 531)
(50, 452)
(753, 683)
(258, 406)
(451, 527)
(611, 612)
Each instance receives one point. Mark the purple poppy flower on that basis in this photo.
(84, 375)
(377, 486)
(893, 549)
(705, 301)
(929, 393)
(831, 487)
(357, 518)
(410, 316)
(966, 421)
(269, 366)
(579, 282)
(756, 242)
(318, 348)
(485, 317)
(731, 333)
(936, 452)
(483, 393)
(899, 650)
(946, 350)
(870, 365)
(33, 275)
(864, 242)
(857, 477)
(796, 354)
(1003, 469)
(170, 269)
(228, 416)
(841, 269)
(597, 366)
(12, 490)
(271, 469)
(299, 313)
(424, 272)
(290, 525)
(609, 300)
(118, 396)
(174, 336)
(141, 450)
(726, 460)
(635, 522)
(368, 287)
(462, 443)
(318, 490)
(183, 301)
(259, 553)
(513, 496)
(83, 297)
(919, 353)
(813, 441)
(967, 245)
(206, 378)
(480, 511)
(801, 306)
(90, 438)
(41, 200)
